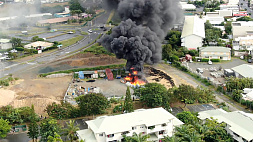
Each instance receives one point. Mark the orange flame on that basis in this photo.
(133, 79)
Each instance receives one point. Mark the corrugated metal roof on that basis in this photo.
(215, 49)
(244, 70)
(240, 123)
(193, 25)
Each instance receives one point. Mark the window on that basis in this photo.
(101, 135)
(151, 127)
(133, 128)
(110, 136)
(124, 133)
(141, 127)
(161, 132)
(164, 124)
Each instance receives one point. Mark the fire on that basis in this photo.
(133, 78)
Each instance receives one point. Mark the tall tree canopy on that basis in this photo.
(92, 103)
(4, 128)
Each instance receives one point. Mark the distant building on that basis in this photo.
(244, 43)
(5, 44)
(243, 71)
(156, 122)
(193, 32)
(242, 29)
(238, 123)
(187, 7)
(215, 52)
(247, 94)
(55, 21)
(39, 45)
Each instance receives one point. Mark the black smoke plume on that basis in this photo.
(138, 37)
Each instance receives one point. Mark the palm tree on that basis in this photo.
(71, 130)
(140, 137)
(136, 138)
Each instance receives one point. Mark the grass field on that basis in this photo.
(71, 41)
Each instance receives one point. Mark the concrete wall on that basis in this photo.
(192, 42)
(5, 45)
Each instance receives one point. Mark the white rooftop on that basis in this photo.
(215, 49)
(148, 117)
(186, 6)
(244, 70)
(243, 23)
(240, 122)
(4, 40)
(193, 25)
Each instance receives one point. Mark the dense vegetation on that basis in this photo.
(195, 130)
(153, 97)
(234, 88)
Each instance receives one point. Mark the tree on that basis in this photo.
(55, 138)
(174, 38)
(33, 129)
(136, 138)
(92, 103)
(4, 128)
(48, 127)
(36, 38)
(128, 103)
(187, 117)
(71, 130)
(16, 42)
(75, 5)
(151, 96)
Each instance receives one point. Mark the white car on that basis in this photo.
(210, 62)
(90, 31)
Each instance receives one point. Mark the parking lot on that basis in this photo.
(199, 108)
(213, 71)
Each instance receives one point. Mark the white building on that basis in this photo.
(238, 123)
(248, 94)
(187, 7)
(242, 29)
(193, 32)
(5, 44)
(215, 52)
(38, 44)
(244, 43)
(156, 122)
(243, 71)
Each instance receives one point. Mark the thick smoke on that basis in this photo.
(138, 37)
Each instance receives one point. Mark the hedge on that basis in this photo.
(213, 60)
(84, 69)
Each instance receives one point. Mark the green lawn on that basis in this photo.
(71, 41)
(84, 33)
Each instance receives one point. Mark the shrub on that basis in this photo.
(117, 109)
(19, 48)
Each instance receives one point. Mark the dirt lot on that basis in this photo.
(39, 92)
(89, 59)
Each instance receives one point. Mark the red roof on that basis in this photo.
(240, 15)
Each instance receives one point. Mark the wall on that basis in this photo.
(192, 42)
(5, 45)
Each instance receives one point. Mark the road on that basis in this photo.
(244, 5)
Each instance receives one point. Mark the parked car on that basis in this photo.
(200, 70)
(249, 60)
(210, 62)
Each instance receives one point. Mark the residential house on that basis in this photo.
(5, 44)
(242, 29)
(215, 52)
(193, 32)
(39, 45)
(244, 43)
(247, 94)
(187, 7)
(156, 122)
(243, 71)
(238, 123)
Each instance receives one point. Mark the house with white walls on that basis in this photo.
(156, 122)
(238, 123)
(193, 32)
